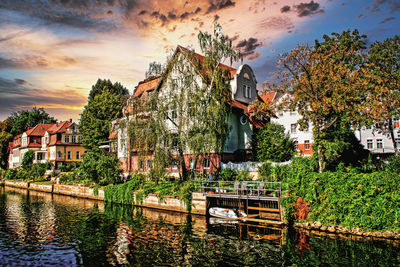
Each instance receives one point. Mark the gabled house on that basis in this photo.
(237, 145)
(58, 143)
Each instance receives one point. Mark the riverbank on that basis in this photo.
(171, 203)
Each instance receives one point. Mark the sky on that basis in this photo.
(53, 51)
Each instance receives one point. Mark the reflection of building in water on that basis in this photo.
(29, 223)
(120, 248)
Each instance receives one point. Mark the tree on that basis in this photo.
(27, 160)
(271, 143)
(100, 167)
(5, 138)
(103, 85)
(321, 83)
(192, 118)
(22, 120)
(382, 82)
(105, 104)
(155, 69)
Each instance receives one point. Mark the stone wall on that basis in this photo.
(174, 203)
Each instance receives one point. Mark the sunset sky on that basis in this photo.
(53, 51)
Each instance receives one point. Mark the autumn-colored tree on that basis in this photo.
(381, 80)
(320, 84)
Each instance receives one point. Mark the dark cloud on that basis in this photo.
(386, 20)
(285, 9)
(184, 15)
(29, 62)
(393, 5)
(87, 14)
(218, 5)
(276, 23)
(248, 47)
(171, 15)
(308, 9)
(20, 81)
(17, 94)
(15, 35)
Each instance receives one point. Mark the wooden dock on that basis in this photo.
(259, 200)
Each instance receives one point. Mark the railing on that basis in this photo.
(241, 189)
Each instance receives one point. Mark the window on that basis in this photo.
(59, 154)
(39, 156)
(370, 144)
(191, 163)
(246, 91)
(175, 140)
(74, 129)
(293, 128)
(149, 164)
(73, 139)
(174, 115)
(66, 139)
(174, 84)
(306, 144)
(69, 155)
(206, 163)
(397, 143)
(78, 154)
(379, 143)
(174, 164)
(141, 164)
(296, 144)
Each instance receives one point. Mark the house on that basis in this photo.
(303, 139)
(237, 145)
(375, 141)
(58, 143)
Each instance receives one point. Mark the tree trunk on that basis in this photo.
(392, 137)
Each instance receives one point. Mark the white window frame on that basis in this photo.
(379, 143)
(66, 138)
(59, 155)
(149, 164)
(69, 155)
(293, 128)
(307, 145)
(78, 154)
(73, 139)
(370, 142)
(206, 163)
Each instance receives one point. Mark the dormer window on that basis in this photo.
(66, 139)
(246, 91)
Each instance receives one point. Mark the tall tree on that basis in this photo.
(22, 120)
(5, 138)
(192, 117)
(155, 69)
(271, 143)
(105, 104)
(381, 78)
(320, 83)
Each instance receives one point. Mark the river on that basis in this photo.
(41, 229)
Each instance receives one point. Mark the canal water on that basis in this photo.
(41, 229)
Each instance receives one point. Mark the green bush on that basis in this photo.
(10, 174)
(265, 170)
(122, 193)
(227, 174)
(369, 201)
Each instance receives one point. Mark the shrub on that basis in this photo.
(227, 174)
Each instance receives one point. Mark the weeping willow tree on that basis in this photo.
(188, 112)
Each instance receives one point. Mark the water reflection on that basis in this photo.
(43, 229)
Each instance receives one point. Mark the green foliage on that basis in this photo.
(5, 138)
(105, 104)
(273, 144)
(365, 200)
(21, 120)
(123, 193)
(227, 174)
(27, 159)
(99, 167)
(35, 172)
(2, 173)
(265, 170)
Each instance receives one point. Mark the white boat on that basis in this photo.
(224, 213)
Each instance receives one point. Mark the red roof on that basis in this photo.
(59, 127)
(200, 58)
(39, 130)
(239, 105)
(269, 96)
(146, 86)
